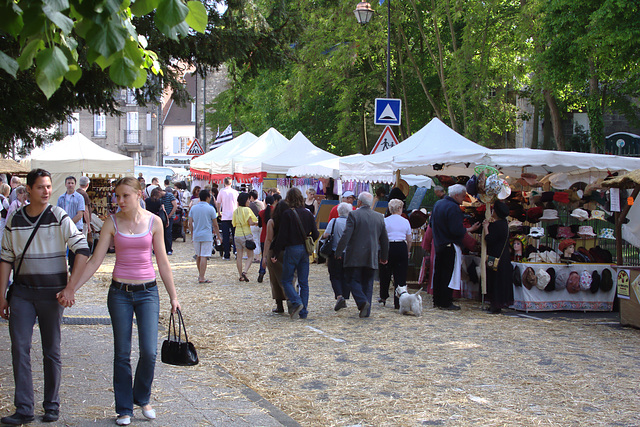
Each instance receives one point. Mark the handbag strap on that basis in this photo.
(304, 235)
(33, 233)
(181, 326)
(505, 244)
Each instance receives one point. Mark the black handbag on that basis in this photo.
(326, 248)
(250, 244)
(174, 350)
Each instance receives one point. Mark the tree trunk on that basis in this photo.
(432, 101)
(556, 121)
(536, 125)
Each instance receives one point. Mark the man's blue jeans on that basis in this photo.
(122, 306)
(296, 259)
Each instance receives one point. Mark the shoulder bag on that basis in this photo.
(174, 350)
(308, 240)
(493, 262)
(326, 248)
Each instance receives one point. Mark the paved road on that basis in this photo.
(179, 396)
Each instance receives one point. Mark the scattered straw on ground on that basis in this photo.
(444, 368)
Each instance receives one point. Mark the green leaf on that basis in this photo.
(171, 12)
(141, 79)
(197, 17)
(63, 22)
(74, 73)
(133, 51)
(47, 86)
(11, 19)
(56, 5)
(107, 39)
(123, 72)
(34, 22)
(165, 29)
(144, 7)
(52, 63)
(102, 61)
(8, 64)
(25, 60)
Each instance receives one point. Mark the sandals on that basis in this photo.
(243, 278)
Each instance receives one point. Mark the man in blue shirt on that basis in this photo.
(202, 224)
(73, 204)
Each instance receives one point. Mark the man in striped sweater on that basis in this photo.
(40, 272)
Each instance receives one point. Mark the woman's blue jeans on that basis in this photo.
(296, 259)
(122, 306)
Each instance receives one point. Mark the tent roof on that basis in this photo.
(435, 143)
(514, 161)
(329, 168)
(78, 154)
(299, 151)
(221, 158)
(12, 167)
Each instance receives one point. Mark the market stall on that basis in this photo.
(77, 155)
(217, 164)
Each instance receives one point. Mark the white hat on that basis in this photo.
(586, 231)
(536, 232)
(549, 215)
(348, 194)
(580, 214)
(543, 279)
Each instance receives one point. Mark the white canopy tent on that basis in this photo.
(329, 168)
(435, 143)
(299, 151)
(221, 159)
(77, 155)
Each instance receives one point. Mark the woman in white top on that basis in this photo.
(399, 232)
(5, 190)
(337, 275)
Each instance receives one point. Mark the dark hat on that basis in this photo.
(586, 253)
(606, 283)
(472, 185)
(605, 254)
(396, 193)
(573, 282)
(417, 219)
(516, 211)
(517, 276)
(473, 274)
(446, 180)
(552, 231)
(565, 244)
(529, 279)
(595, 282)
(595, 254)
(534, 214)
(552, 283)
(501, 209)
(547, 196)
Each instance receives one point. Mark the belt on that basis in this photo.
(397, 241)
(133, 287)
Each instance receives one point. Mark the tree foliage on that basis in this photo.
(462, 61)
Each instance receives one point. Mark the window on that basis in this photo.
(99, 125)
(131, 98)
(181, 144)
(193, 112)
(73, 124)
(148, 121)
(132, 131)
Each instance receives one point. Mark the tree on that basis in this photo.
(51, 35)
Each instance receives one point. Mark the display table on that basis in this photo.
(538, 300)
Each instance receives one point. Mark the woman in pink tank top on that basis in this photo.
(137, 234)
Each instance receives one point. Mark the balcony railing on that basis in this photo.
(99, 133)
(132, 137)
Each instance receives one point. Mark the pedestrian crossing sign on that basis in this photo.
(195, 149)
(387, 111)
(387, 140)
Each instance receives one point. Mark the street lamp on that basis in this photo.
(363, 13)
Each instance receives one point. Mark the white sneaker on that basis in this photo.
(124, 420)
(149, 414)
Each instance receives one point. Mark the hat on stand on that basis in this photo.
(552, 282)
(580, 214)
(606, 233)
(573, 282)
(536, 232)
(543, 279)
(597, 214)
(529, 278)
(585, 280)
(549, 215)
(586, 231)
(565, 232)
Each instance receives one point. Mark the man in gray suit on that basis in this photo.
(364, 235)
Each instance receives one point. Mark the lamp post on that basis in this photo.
(364, 13)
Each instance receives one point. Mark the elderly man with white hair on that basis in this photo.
(448, 232)
(365, 244)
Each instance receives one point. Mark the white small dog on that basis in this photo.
(409, 302)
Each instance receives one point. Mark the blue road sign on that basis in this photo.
(387, 111)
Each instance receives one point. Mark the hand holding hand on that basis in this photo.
(66, 297)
